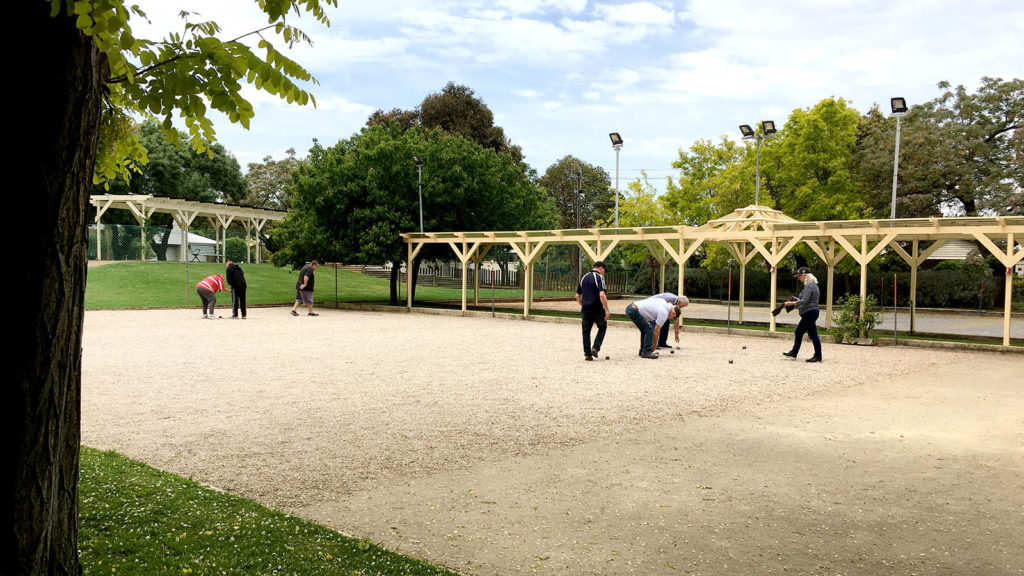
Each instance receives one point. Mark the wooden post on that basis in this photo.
(913, 286)
(743, 285)
(408, 278)
(774, 295)
(863, 278)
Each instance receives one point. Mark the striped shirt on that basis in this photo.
(212, 283)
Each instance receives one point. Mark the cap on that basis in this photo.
(802, 270)
(230, 263)
(599, 264)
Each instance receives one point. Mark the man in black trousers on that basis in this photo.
(236, 280)
(591, 294)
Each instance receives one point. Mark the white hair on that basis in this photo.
(810, 279)
(682, 301)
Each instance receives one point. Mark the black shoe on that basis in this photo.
(666, 346)
(814, 359)
(791, 354)
(312, 314)
(651, 355)
(294, 313)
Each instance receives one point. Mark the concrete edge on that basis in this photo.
(691, 329)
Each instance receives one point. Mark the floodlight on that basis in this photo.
(899, 105)
(768, 126)
(747, 131)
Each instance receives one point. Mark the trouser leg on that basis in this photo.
(588, 323)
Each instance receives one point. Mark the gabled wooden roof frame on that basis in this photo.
(747, 233)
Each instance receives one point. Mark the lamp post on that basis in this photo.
(419, 184)
(616, 145)
(899, 108)
(767, 129)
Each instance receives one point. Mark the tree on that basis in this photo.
(705, 190)
(810, 164)
(268, 184)
(90, 79)
(959, 152)
(174, 171)
(456, 110)
(582, 192)
(352, 200)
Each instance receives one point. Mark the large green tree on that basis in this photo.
(89, 81)
(581, 191)
(175, 171)
(707, 185)
(457, 110)
(960, 152)
(268, 183)
(352, 200)
(809, 165)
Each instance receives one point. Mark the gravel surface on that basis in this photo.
(315, 415)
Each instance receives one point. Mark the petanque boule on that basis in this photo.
(730, 361)
(607, 357)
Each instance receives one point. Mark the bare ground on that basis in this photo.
(489, 446)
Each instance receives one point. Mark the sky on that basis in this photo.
(560, 75)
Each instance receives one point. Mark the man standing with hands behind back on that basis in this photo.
(591, 294)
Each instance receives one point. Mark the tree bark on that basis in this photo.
(65, 76)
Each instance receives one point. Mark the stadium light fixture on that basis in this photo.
(616, 145)
(767, 130)
(899, 108)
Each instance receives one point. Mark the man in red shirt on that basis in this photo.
(207, 289)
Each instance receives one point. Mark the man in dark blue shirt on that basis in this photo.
(591, 294)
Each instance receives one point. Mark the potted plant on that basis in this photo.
(849, 325)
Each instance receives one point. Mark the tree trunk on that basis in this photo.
(415, 276)
(395, 273)
(41, 484)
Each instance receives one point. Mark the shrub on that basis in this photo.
(847, 322)
(235, 249)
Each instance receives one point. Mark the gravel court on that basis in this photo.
(316, 415)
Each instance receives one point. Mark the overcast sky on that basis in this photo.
(560, 75)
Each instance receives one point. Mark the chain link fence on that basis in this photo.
(152, 243)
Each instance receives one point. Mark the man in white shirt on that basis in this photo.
(645, 313)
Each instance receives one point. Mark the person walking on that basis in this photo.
(679, 302)
(807, 305)
(304, 288)
(236, 280)
(591, 295)
(649, 316)
(207, 289)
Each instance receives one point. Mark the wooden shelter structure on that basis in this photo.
(184, 213)
(749, 232)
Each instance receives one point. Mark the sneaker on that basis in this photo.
(294, 313)
(651, 355)
(814, 359)
(666, 346)
(312, 314)
(233, 318)
(790, 354)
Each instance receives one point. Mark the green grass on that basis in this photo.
(135, 519)
(172, 284)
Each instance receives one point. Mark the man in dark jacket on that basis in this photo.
(236, 280)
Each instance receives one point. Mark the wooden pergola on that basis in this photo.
(747, 233)
(184, 213)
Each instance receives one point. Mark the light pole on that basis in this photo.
(616, 145)
(767, 129)
(419, 184)
(899, 108)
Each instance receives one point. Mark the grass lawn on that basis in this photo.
(172, 284)
(135, 519)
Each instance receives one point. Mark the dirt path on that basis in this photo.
(491, 447)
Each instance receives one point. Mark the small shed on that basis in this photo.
(201, 248)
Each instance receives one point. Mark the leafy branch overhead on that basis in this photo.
(186, 73)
